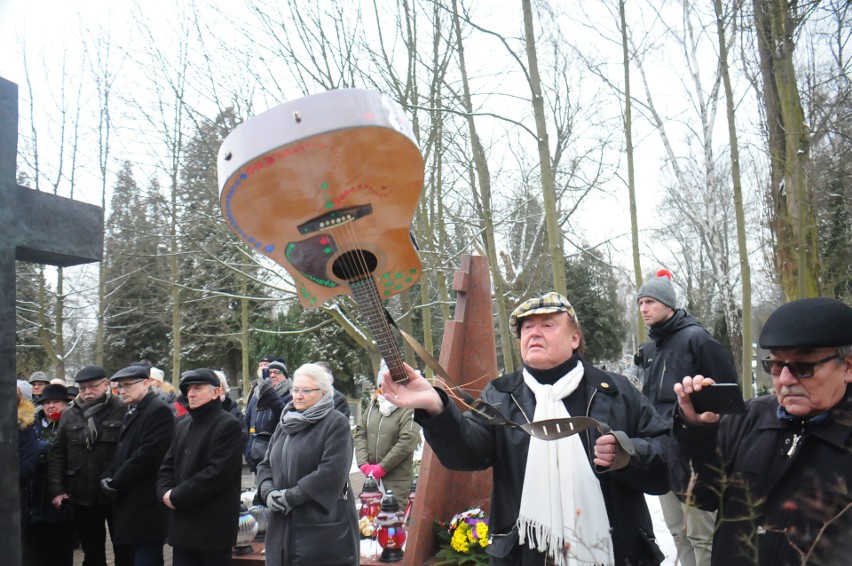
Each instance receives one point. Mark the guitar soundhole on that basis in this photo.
(354, 265)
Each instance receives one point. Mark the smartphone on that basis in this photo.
(722, 398)
(264, 373)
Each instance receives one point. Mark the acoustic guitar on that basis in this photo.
(326, 186)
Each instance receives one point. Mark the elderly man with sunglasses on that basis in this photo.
(780, 474)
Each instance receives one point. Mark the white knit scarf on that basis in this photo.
(562, 507)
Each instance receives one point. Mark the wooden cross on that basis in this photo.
(35, 227)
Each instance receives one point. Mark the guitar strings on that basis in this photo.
(376, 320)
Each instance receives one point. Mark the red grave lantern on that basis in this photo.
(371, 505)
(391, 533)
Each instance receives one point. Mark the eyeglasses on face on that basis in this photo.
(275, 372)
(304, 390)
(128, 384)
(91, 386)
(799, 370)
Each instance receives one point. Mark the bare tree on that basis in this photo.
(631, 176)
(742, 246)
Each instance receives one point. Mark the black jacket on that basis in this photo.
(76, 468)
(680, 347)
(203, 469)
(462, 442)
(774, 498)
(262, 414)
(40, 508)
(139, 516)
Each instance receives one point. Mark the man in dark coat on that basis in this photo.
(85, 444)
(139, 518)
(779, 474)
(554, 501)
(200, 476)
(264, 409)
(679, 346)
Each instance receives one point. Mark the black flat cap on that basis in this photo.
(89, 373)
(267, 358)
(202, 376)
(131, 372)
(808, 323)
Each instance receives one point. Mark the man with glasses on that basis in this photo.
(780, 474)
(263, 411)
(84, 446)
(39, 381)
(139, 518)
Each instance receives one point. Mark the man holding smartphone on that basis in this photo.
(780, 474)
(679, 346)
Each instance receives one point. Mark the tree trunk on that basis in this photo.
(792, 222)
(244, 337)
(548, 188)
(631, 177)
(484, 180)
(745, 269)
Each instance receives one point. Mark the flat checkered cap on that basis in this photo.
(546, 304)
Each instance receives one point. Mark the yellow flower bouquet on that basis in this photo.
(463, 540)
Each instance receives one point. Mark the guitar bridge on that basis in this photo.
(335, 218)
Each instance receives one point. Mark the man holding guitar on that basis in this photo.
(561, 500)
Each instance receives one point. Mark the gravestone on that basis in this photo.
(39, 228)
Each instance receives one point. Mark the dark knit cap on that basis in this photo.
(808, 323)
(54, 392)
(200, 376)
(132, 372)
(89, 373)
(660, 288)
(279, 366)
(267, 358)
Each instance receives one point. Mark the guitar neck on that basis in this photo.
(366, 295)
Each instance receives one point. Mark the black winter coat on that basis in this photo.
(680, 347)
(203, 469)
(463, 442)
(40, 508)
(779, 492)
(139, 516)
(76, 468)
(262, 414)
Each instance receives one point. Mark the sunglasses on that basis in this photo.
(799, 370)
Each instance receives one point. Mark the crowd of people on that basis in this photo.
(129, 455)
(768, 485)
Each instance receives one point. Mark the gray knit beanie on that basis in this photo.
(660, 288)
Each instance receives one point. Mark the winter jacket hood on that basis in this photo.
(26, 414)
